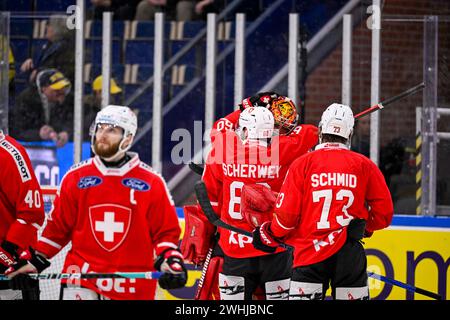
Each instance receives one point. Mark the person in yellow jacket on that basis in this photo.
(93, 102)
(12, 70)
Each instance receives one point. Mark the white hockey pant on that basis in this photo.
(233, 288)
(79, 293)
(314, 291)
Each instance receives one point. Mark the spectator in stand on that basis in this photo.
(188, 10)
(146, 9)
(121, 9)
(93, 102)
(45, 111)
(57, 53)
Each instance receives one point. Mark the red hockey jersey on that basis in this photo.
(323, 191)
(21, 204)
(117, 219)
(231, 164)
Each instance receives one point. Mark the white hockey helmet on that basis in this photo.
(119, 116)
(337, 120)
(259, 123)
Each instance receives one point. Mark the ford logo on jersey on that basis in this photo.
(136, 184)
(87, 182)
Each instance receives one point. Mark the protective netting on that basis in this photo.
(50, 288)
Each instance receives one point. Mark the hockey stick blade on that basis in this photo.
(404, 285)
(197, 168)
(93, 275)
(205, 204)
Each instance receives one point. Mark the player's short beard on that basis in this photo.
(106, 151)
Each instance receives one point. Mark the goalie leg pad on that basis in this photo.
(231, 287)
(198, 235)
(360, 293)
(305, 291)
(278, 289)
(209, 288)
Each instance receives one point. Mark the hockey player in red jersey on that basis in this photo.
(236, 159)
(292, 141)
(21, 213)
(331, 198)
(118, 213)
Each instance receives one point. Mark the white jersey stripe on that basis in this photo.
(281, 225)
(50, 242)
(167, 244)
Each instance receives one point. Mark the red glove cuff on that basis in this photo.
(24, 235)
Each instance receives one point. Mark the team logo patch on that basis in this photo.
(136, 184)
(109, 224)
(87, 182)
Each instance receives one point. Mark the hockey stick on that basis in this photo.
(205, 204)
(93, 275)
(405, 286)
(390, 100)
(197, 168)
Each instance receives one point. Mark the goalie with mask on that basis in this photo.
(289, 141)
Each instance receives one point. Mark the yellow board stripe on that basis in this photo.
(418, 173)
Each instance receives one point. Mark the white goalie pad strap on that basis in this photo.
(305, 291)
(360, 293)
(81, 294)
(231, 287)
(277, 290)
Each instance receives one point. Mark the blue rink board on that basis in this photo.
(398, 220)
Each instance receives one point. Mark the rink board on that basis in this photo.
(414, 250)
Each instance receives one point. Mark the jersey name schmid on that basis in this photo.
(17, 156)
(251, 171)
(334, 179)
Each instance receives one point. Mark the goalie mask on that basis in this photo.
(117, 116)
(258, 122)
(285, 114)
(337, 120)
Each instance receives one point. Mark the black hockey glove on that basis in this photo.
(261, 99)
(29, 262)
(24, 263)
(8, 254)
(170, 262)
(263, 239)
(356, 229)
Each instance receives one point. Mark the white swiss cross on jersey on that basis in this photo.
(109, 224)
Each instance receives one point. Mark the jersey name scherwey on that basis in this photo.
(232, 164)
